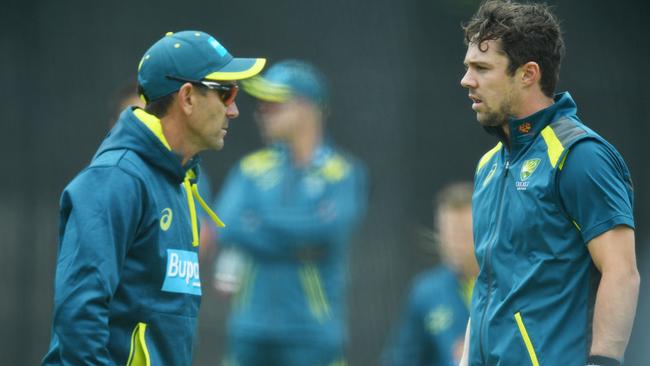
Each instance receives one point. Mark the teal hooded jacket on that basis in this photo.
(537, 203)
(127, 287)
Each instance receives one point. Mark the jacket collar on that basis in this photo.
(141, 132)
(524, 130)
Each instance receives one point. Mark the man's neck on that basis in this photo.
(175, 135)
(304, 144)
(528, 107)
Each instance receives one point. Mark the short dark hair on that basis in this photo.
(160, 106)
(528, 32)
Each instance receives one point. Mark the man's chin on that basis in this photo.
(486, 120)
(217, 145)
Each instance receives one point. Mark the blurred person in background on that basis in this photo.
(552, 206)
(291, 208)
(127, 288)
(432, 327)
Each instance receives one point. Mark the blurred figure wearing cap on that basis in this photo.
(127, 289)
(432, 327)
(291, 209)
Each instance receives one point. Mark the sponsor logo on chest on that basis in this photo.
(439, 319)
(182, 272)
(166, 216)
(527, 169)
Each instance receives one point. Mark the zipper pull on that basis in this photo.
(507, 167)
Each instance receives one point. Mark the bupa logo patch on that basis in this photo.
(527, 169)
(182, 273)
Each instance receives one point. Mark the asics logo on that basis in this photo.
(166, 219)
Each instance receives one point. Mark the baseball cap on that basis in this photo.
(287, 79)
(192, 55)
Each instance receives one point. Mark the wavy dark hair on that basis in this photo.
(528, 32)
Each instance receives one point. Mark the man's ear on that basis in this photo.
(185, 98)
(530, 73)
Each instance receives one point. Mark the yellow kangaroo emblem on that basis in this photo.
(166, 219)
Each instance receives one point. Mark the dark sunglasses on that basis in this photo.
(227, 92)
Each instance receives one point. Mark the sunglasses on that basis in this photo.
(227, 92)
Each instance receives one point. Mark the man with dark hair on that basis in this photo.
(291, 208)
(127, 287)
(552, 206)
(432, 328)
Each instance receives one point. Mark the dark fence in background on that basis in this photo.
(394, 69)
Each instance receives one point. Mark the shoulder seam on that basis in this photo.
(488, 155)
(559, 136)
(119, 164)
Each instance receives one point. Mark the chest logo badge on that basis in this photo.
(166, 219)
(439, 319)
(528, 168)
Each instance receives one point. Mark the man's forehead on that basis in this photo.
(483, 51)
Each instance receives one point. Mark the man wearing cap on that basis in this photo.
(127, 288)
(291, 208)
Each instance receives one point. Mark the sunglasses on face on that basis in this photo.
(227, 92)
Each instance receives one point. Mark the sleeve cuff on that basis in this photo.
(589, 233)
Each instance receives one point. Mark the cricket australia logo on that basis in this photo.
(439, 319)
(527, 169)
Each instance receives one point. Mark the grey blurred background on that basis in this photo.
(394, 69)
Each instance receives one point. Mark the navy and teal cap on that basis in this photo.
(288, 79)
(192, 55)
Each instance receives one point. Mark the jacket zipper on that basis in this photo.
(488, 260)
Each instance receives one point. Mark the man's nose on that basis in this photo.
(232, 111)
(467, 81)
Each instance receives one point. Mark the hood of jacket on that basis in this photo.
(140, 132)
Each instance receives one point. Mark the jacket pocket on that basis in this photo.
(139, 354)
(526, 339)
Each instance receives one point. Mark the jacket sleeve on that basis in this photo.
(595, 188)
(334, 216)
(235, 206)
(100, 212)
